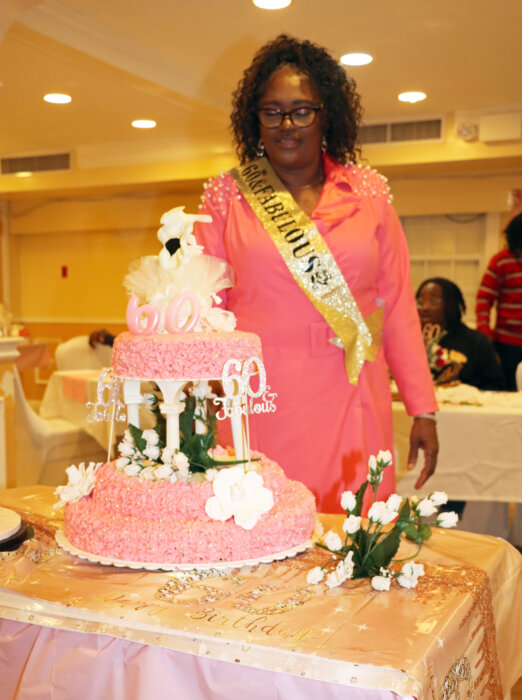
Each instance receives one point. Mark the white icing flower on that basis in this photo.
(352, 524)
(449, 519)
(332, 540)
(210, 474)
(220, 319)
(151, 437)
(348, 500)
(152, 452)
(426, 508)
(122, 462)
(315, 575)
(381, 583)
(81, 480)
(438, 498)
(241, 495)
(163, 471)
(380, 513)
(393, 502)
(132, 469)
(409, 576)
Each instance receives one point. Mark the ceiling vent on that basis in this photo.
(401, 132)
(36, 164)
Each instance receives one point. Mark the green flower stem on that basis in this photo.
(419, 547)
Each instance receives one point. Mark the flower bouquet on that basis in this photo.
(445, 364)
(370, 545)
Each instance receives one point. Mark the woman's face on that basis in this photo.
(430, 305)
(289, 146)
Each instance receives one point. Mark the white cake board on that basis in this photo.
(64, 543)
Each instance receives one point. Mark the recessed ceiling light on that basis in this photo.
(356, 59)
(144, 123)
(57, 98)
(412, 96)
(23, 173)
(271, 4)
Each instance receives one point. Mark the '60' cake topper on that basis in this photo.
(239, 395)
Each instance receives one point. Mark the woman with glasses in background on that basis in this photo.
(321, 274)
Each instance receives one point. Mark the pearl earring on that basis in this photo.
(324, 144)
(260, 152)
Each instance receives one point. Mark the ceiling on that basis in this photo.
(178, 62)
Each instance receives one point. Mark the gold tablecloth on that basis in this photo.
(460, 628)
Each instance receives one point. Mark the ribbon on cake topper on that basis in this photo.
(311, 264)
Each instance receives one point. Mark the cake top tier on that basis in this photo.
(176, 291)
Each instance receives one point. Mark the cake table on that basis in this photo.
(89, 631)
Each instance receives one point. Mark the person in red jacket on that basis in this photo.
(502, 286)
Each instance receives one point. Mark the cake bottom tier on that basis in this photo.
(159, 539)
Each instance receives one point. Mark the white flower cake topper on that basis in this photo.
(240, 495)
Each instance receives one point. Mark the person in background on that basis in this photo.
(321, 275)
(440, 303)
(101, 336)
(501, 286)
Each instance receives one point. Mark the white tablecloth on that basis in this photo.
(480, 454)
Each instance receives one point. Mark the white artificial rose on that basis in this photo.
(372, 465)
(220, 319)
(336, 577)
(385, 456)
(347, 564)
(410, 572)
(380, 513)
(438, 498)
(152, 452)
(122, 462)
(352, 524)
(449, 519)
(348, 501)
(181, 463)
(149, 399)
(132, 469)
(381, 583)
(126, 449)
(332, 540)
(394, 502)
(148, 474)
(163, 471)
(425, 508)
(210, 474)
(150, 436)
(167, 455)
(315, 575)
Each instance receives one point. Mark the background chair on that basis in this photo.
(47, 446)
(76, 353)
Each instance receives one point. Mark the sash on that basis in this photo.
(311, 264)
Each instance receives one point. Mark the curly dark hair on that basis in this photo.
(454, 304)
(513, 233)
(336, 90)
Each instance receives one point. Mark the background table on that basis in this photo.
(66, 396)
(256, 632)
(480, 458)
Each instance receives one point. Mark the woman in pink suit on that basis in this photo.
(319, 256)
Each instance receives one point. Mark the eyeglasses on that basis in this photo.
(300, 116)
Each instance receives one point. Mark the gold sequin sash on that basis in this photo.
(311, 264)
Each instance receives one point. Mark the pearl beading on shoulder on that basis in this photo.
(218, 191)
(367, 182)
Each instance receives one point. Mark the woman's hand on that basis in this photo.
(424, 435)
